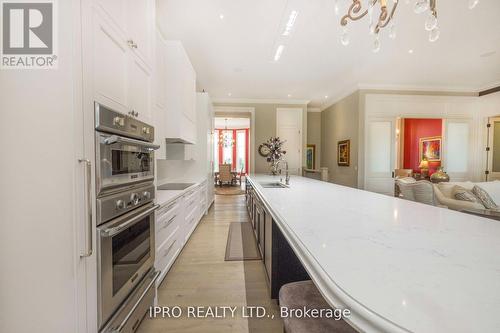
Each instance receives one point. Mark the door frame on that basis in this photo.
(301, 134)
(227, 110)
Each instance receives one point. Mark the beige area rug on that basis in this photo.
(229, 190)
(241, 244)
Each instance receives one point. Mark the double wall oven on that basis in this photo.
(125, 219)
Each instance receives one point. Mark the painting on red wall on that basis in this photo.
(430, 148)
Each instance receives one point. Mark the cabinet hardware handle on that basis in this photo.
(88, 234)
(132, 44)
(167, 251)
(169, 222)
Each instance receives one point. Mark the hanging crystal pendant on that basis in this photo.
(473, 3)
(392, 31)
(336, 7)
(434, 34)
(376, 45)
(344, 37)
(431, 22)
(421, 6)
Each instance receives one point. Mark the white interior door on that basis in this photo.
(289, 129)
(379, 155)
(457, 149)
(494, 152)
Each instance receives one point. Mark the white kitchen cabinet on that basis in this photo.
(175, 222)
(121, 80)
(139, 89)
(135, 19)
(180, 94)
(116, 10)
(140, 27)
(110, 57)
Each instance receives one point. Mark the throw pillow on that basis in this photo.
(463, 194)
(484, 197)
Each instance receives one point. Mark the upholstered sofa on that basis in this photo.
(444, 194)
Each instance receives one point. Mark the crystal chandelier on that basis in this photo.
(225, 140)
(386, 9)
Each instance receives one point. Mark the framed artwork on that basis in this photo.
(344, 153)
(311, 156)
(430, 149)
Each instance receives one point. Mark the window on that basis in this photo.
(216, 150)
(241, 150)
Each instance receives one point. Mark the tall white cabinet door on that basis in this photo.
(139, 89)
(116, 10)
(110, 61)
(140, 27)
(458, 148)
(380, 155)
(189, 77)
(289, 129)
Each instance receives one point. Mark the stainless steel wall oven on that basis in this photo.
(125, 218)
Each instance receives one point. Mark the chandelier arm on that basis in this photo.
(354, 9)
(385, 18)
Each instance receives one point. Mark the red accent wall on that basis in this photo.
(414, 129)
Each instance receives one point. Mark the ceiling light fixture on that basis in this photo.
(226, 137)
(356, 11)
(221, 16)
(229, 94)
(410, 51)
(290, 23)
(279, 52)
(289, 95)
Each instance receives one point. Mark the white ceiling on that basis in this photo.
(232, 123)
(233, 56)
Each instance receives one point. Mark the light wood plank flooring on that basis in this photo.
(201, 277)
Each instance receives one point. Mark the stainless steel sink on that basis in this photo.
(273, 185)
(175, 186)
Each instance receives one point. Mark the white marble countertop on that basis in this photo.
(164, 197)
(399, 266)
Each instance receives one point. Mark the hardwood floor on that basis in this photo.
(201, 277)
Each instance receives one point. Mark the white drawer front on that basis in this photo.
(167, 252)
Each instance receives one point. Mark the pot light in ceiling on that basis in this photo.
(279, 52)
(326, 96)
(410, 51)
(289, 95)
(290, 23)
(221, 16)
(229, 94)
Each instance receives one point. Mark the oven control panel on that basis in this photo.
(117, 204)
(110, 121)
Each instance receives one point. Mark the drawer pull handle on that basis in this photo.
(169, 222)
(167, 251)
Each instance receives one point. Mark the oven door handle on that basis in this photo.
(109, 232)
(119, 139)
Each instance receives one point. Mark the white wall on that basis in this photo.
(474, 109)
(38, 141)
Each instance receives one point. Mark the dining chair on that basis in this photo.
(225, 175)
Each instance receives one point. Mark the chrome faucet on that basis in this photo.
(287, 176)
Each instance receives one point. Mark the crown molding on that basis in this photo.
(260, 101)
(313, 109)
(430, 89)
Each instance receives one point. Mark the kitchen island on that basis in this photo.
(399, 266)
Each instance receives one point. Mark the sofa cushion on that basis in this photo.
(493, 189)
(446, 189)
(484, 197)
(463, 194)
